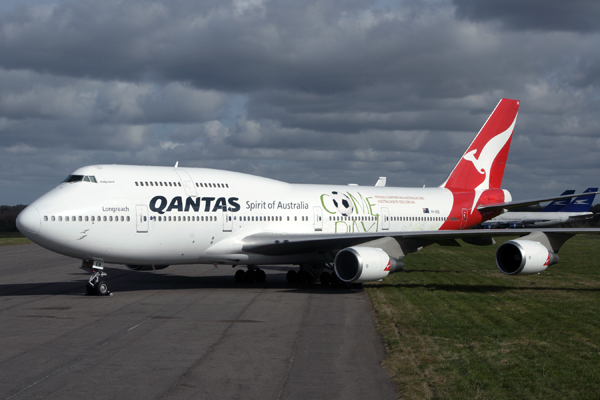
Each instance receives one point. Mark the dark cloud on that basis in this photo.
(546, 15)
(319, 91)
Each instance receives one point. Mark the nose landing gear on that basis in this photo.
(96, 285)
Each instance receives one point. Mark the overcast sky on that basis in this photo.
(303, 91)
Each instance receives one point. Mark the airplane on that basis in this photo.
(577, 210)
(150, 217)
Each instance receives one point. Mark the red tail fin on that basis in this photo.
(482, 165)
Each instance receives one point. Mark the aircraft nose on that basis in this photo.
(29, 221)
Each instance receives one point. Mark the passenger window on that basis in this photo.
(86, 218)
(136, 184)
(80, 219)
(53, 218)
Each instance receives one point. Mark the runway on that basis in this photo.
(186, 332)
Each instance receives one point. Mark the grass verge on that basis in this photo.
(457, 328)
(10, 238)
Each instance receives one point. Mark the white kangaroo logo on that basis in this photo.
(483, 164)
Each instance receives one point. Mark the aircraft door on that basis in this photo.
(465, 215)
(227, 220)
(141, 218)
(385, 218)
(318, 218)
(187, 182)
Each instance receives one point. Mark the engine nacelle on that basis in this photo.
(361, 264)
(524, 257)
(146, 267)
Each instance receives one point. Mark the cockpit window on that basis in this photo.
(74, 178)
(79, 178)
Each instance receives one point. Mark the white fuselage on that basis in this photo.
(161, 215)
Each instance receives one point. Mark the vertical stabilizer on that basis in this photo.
(482, 165)
(582, 203)
(558, 205)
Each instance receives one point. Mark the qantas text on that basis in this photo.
(160, 204)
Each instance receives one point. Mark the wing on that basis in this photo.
(285, 244)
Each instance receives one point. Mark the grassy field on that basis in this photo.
(8, 238)
(455, 327)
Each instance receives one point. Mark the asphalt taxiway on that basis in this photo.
(184, 332)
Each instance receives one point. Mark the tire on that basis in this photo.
(303, 277)
(261, 276)
(240, 276)
(335, 281)
(325, 278)
(250, 276)
(102, 288)
(291, 276)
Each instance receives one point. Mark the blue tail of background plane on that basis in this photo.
(581, 204)
(558, 205)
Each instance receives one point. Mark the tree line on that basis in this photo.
(8, 217)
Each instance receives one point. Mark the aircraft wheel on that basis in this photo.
(101, 288)
(240, 275)
(325, 278)
(291, 276)
(303, 277)
(261, 276)
(250, 276)
(335, 281)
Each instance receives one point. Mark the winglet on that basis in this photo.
(482, 165)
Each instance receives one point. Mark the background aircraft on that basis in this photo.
(557, 212)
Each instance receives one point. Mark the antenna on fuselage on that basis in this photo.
(176, 164)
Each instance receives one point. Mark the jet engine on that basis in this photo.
(146, 267)
(524, 257)
(361, 264)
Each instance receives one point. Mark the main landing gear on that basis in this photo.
(324, 273)
(96, 285)
(253, 274)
